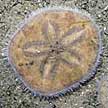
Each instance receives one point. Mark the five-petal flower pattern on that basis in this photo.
(56, 49)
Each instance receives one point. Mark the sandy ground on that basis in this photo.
(12, 95)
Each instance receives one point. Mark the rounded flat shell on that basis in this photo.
(54, 50)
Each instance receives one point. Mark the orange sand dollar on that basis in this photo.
(54, 50)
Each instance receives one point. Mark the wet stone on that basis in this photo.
(103, 91)
(106, 29)
(93, 3)
(53, 50)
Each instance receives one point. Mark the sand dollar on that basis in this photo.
(55, 50)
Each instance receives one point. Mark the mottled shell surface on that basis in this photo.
(54, 50)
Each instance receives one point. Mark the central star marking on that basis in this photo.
(56, 49)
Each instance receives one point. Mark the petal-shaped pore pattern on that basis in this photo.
(54, 50)
(35, 48)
